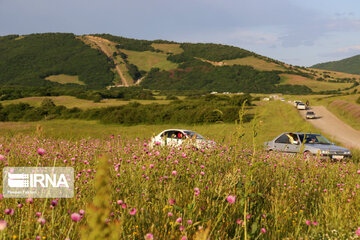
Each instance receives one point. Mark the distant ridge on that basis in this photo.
(347, 65)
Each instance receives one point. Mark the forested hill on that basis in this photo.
(29, 59)
(347, 65)
(101, 61)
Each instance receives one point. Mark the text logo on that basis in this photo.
(42, 182)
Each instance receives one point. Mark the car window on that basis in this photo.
(283, 139)
(168, 134)
(192, 134)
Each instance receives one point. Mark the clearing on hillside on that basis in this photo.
(315, 86)
(64, 79)
(147, 60)
(173, 48)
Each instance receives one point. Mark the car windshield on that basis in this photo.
(192, 134)
(314, 139)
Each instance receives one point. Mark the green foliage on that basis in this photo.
(128, 43)
(347, 65)
(221, 79)
(209, 51)
(27, 61)
(205, 109)
(358, 100)
(97, 226)
(9, 93)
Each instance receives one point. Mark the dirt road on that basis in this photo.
(103, 45)
(333, 126)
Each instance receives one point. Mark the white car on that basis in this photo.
(177, 137)
(301, 106)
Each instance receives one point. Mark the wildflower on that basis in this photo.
(170, 214)
(38, 214)
(2, 157)
(75, 217)
(239, 221)
(181, 228)
(231, 199)
(189, 222)
(358, 171)
(119, 202)
(315, 223)
(30, 200)
(179, 220)
(41, 151)
(174, 173)
(171, 201)
(308, 222)
(263, 230)
(41, 221)
(183, 238)
(54, 203)
(149, 236)
(3, 224)
(132, 211)
(357, 232)
(9, 211)
(81, 212)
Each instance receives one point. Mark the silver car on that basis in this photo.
(307, 143)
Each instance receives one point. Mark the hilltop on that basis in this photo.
(347, 65)
(102, 61)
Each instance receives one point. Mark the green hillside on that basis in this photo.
(30, 59)
(63, 60)
(347, 65)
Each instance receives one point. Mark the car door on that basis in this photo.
(294, 147)
(282, 143)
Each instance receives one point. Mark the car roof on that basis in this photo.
(174, 129)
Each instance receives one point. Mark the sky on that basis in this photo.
(297, 32)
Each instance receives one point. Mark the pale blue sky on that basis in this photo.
(298, 32)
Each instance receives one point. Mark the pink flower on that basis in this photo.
(41, 221)
(2, 157)
(81, 212)
(174, 173)
(171, 201)
(124, 205)
(9, 211)
(189, 222)
(357, 232)
(75, 217)
(179, 220)
(149, 236)
(231, 199)
(170, 214)
(184, 238)
(132, 211)
(41, 151)
(3, 225)
(38, 214)
(239, 221)
(308, 222)
(30, 200)
(119, 202)
(181, 228)
(315, 223)
(358, 171)
(263, 230)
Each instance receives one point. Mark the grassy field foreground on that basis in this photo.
(125, 190)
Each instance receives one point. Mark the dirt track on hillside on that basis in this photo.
(333, 126)
(102, 44)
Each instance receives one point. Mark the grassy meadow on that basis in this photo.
(233, 190)
(64, 79)
(71, 102)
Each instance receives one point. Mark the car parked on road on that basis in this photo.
(310, 115)
(310, 144)
(301, 106)
(177, 137)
